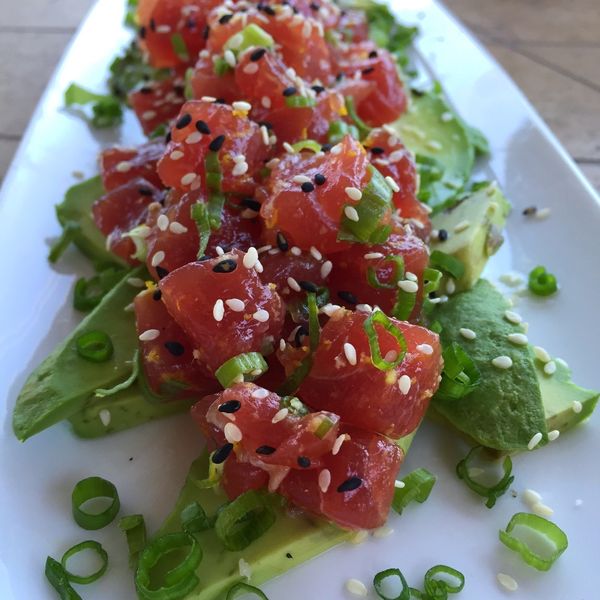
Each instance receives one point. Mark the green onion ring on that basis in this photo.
(542, 283)
(380, 318)
(245, 588)
(87, 545)
(373, 279)
(460, 375)
(417, 487)
(549, 530)
(437, 588)
(194, 519)
(87, 489)
(307, 145)
(249, 365)
(300, 102)
(382, 575)
(431, 280)
(57, 577)
(94, 346)
(417, 594)
(134, 528)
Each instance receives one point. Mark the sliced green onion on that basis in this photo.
(417, 487)
(373, 206)
(299, 102)
(436, 327)
(251, 36)
(89, 489)
(199, 214)
(243, 367)
(437, 588)
(134, 528)
(68, 235)
(324, 427)
(548, 530)
(363, 128)
(57, 577)
(314, 328)
(373, 279)
(337, 131)
(215, 472)
(244, 588)
(244, 520)
(294, 405)
(94, 346)
(379, 318)
(221, 67)
(382, 576)
(405, 302)
(542, 283)
(447, 263)
(88, 293)
(307, 145)
(135, 371)
(460, 375)
(180, 47)
(87, 545)
(188, 90)
(194, 519)
(181, 579)
(216, 199)
(417, 594)
(431, 280)
(493, 492)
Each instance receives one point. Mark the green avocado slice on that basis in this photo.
(62, 384)
(505, 411)
(77, 208)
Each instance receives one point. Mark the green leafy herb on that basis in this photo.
(106, 109)
(130, 13)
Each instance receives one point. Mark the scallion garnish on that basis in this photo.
(244, 520)
(244, 588)
(215, 472)
(417, 487)
(542, 283)
(447, 263)
(216, 199)
(199, 214)
(361, 126)
(119, 387)
(299, 102)
(134, 528)
(491, 492)
(460, 375)
(438, 588)
(180, 47)
(88, 293)
(94, 346)
(58, 248)
(57, 577)
(194, 519)
(181, 579)
(548, 530)
(338, 129)
(379, 318)
(405, 301)
(378, 584)
(307, 145)
(244, 367)
(90, 489)
(221, 67)
(87, 545)
(251, 36)
(431, 280)
(106, 109)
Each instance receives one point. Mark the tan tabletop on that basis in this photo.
(551, 48)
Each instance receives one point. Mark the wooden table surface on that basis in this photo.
(551, 48)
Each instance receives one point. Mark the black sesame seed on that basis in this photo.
(175, 348)
(282, 243)
(350, 484)
(270, 11)
(267, 125)
(432, 295)
(156, 295)
(144, 191)
(294, 10)
(317, 89)
(304, 462)
(348, 297)
(225, 266)
(216, 144)
(416, 92)
(314, 6)
(368, 70)
(326, 147)
(206, 32)
(309, 286)
(373, 54)
(220, 101)
(250, 203)
(307, 187)
(190, 24)
(202, 127)
(152, 25)
(168, 137)
(222, 453)
(529, 211)
(301, 332)
(377, 150)
(230, 406)
(142, 32)
(258, 54)
(161, 272)
(288, 554)
(183, 121)
(266, 450)
(442, 235)
(320, 179)
(146, 90)
(290, 91)
(225, 19)
(203, 258)
(339, 76)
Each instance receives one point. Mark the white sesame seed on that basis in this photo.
(315, 253)
(502, 362)
(542, 510)
(383, 532)
(264, 132)
(531, 496)
(260, 393)
(336, 149)
(250, 68)
(393, 185)
(196, 183)
(105, 417)
(353, 193)
(240, 168)
(229, 57)
(301, 179)
(293, 284)
(123, 166)
(399, 484)
(550, 368)
(350, 353)
(157, 258)
(218, 310)
(136, 282)
(534, 441)
(329, 309)
(282, 344)
(506, 581)
(373, 255)
(519, 339)
(193, 138)
(306, 29)
(359, 537)
(467, 333)
(433, 145)
(242, 106)
(338, 443)
(162, 222)
(367, 308)
(513, 317)
(404, 384)
(130, 307)
(177, 228)
(188, 178)
(264, 248)
(450, 286)
(148, 115)
(324, 480)
(258, 267)
(250, 258)
(410, 287)
(233, 433)
(326, 269)
(208, 99)
(541, 354)
(542, 213)
(511, 279)
(356, 587)
(390, 356)
(261, 315)
(280, 415)
(149, 335)
(219, 251)
(235, 304)
(245, 569)
(163, 29)
(266, 101)
(461, 226)
(576, 406)
(351, 213)
(288, 148)
(553, 435)
(295, 251)
(447, 116)
(425, 349)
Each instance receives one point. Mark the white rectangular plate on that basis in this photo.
(148, 464)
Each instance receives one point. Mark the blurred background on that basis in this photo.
(551, 48)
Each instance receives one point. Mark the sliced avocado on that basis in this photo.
(480, 219)
(64, 381)
(505, 411)
(77, 208)
(128, 408)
